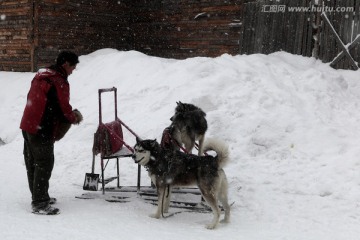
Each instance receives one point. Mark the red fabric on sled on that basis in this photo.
(108, 138)
(116, 135)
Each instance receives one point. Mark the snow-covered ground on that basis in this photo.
(292, 125)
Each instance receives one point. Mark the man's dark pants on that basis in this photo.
(39, 161)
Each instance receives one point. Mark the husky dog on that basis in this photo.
(189, 124)
(169, 168)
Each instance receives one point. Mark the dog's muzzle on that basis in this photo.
(134, 157)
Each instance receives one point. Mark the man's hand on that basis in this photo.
(78, 115)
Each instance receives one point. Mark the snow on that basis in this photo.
(291, 123)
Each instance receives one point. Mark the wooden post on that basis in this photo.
(317, 27)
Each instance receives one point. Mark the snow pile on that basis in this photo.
(292, 125)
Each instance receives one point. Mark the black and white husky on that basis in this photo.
(189, 124)
(169, 168)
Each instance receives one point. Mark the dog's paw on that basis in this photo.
(225, 221)
(155, 215)
(210, 226)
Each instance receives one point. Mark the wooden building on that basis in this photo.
(32, 32)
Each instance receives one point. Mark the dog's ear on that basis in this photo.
(181, 107)
(153, 143)
(172, 118)
(138, 140)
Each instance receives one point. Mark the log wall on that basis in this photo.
(80, 26)
(33, 32)
(186, 28)
(165, 28)
(15, 35)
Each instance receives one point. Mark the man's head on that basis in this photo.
(68, 61)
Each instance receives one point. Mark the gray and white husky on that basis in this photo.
(169, 168)
(188, 125)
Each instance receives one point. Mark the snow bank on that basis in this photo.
(292, 125)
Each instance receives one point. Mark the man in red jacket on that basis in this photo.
(46, 113)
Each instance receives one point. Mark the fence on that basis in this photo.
(298, 27)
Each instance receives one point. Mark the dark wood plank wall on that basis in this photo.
(15, 35)
(265, 30)
(186, 28)
(34, 31)
(303, 32)
(81, 26)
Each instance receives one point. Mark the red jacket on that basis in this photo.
(47, 102)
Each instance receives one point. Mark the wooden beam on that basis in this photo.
(342, 54)
(342, 45)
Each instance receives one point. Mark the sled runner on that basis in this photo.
(188, 199)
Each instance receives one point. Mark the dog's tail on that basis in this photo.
(221, 149)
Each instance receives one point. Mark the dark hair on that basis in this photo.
(67, 56)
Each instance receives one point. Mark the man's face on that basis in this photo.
(68, 68)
